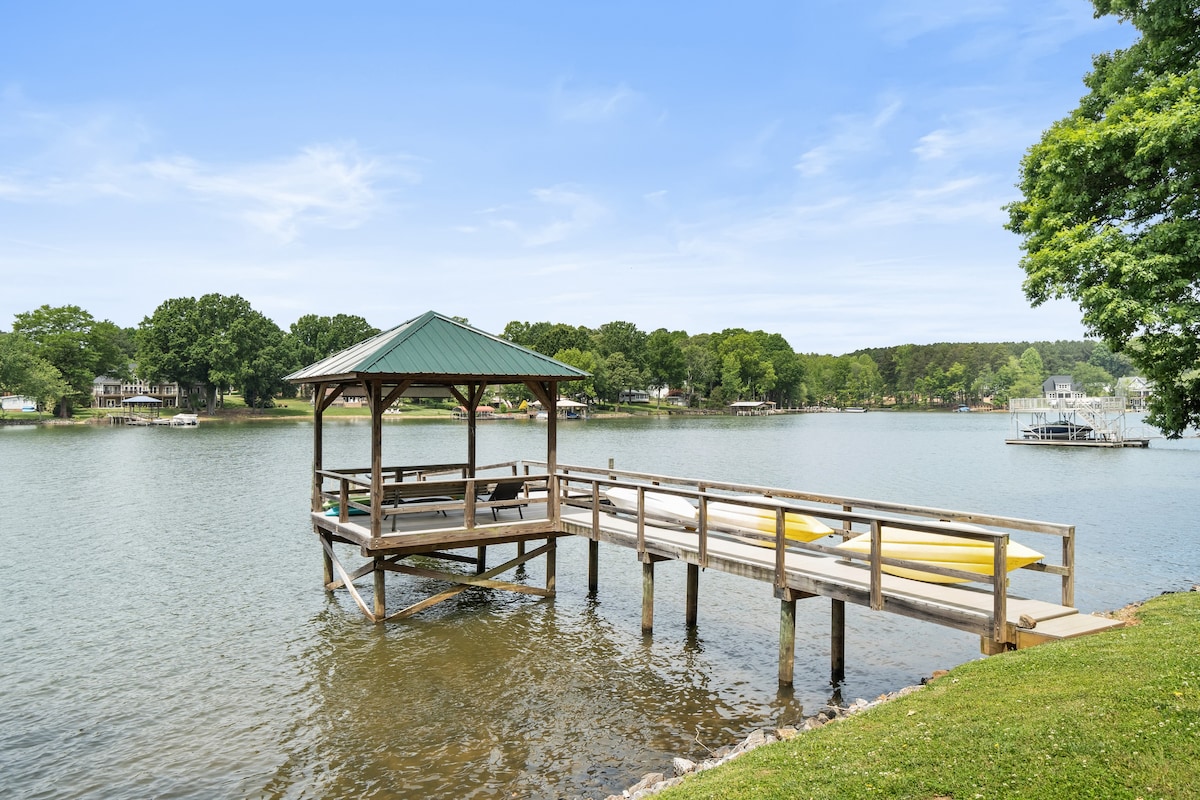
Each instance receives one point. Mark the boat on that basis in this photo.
(854, 410)
(185, 420)
(797, 527)
(1063, 430)
(940, 550)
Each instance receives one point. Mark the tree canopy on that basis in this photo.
(1110, 208)
(77, 345)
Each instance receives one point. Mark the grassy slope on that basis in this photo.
(1115, 715)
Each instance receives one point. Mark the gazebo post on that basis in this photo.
(552, 450)
(375, 401)
(318, 465)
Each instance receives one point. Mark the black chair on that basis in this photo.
(506, 491)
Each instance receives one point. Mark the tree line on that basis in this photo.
(221, 343)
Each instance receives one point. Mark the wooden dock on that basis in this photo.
(440, 510)
(434, 511)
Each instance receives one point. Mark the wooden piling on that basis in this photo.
(326, 560)
(551, 565)
(837, 642)
(593, 566)
(787, 641)
(481, 560)
(380, 599)
(647, 596)
(693, 592)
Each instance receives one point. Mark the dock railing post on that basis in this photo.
(876, 566)
(1068, 560)
(999, 589)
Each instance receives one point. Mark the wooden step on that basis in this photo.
(1067, 627)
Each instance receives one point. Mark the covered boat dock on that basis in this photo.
(391, 513)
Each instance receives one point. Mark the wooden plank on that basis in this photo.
(446, 595)
(467, 580)
(1065, 628)
(337, 565)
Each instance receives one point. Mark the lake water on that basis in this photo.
(165, 633)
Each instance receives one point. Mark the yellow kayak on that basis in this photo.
(797, 527)
(940, 550)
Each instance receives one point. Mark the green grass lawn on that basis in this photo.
(1115, 715)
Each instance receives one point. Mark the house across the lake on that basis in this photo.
(113, 392)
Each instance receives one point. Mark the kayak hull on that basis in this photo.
(940, 550)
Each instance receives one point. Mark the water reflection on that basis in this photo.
(528, 699)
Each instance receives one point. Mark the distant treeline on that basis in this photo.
(220, 343)
(714, 369)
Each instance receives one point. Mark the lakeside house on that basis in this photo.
(1136, 390)
(110, 392)
(17, 402)
(1062, 387)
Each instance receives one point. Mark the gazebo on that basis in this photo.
(141, 407)
(433, 509)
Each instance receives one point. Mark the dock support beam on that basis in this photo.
(647, 596)
(551, 564)
(380, 599)
(787, 640)
(693, 592)
(837, 642)
(481, 560)
(326, 561)
(593, 566)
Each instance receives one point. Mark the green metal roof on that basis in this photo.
(435, 348)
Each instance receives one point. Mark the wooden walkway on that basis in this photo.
(438, 515)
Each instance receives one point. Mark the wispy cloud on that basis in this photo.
(977, 136)
(851, 135)
(595, 104)
(77, 155)
(576, 211)
(323, 185)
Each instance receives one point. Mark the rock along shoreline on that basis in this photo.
(654, 782)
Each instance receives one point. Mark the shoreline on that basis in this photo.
(651, 783)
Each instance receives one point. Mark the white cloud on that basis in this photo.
(852, 135)
(323, 185)
(976, 136)
(578, 212)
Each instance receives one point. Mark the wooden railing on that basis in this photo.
(582, 487)
(425, 488)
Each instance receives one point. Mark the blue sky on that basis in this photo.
(833, 172)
